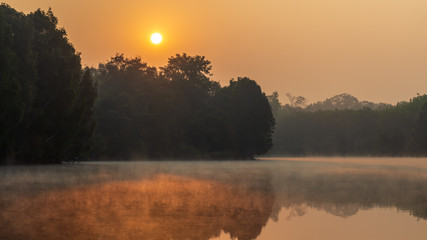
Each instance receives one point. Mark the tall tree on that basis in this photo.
(248, 118)
(191, 90)
(42, 89)
(84, 120)
(178, 113)
(423, 128)
(130, 109)
(275, 104)
(17, 76)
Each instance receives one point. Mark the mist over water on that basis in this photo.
(266, 199)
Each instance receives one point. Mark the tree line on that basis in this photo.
(53, 110)
(344, 126)
(177, 112)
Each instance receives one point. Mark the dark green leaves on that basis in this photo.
(45, 102)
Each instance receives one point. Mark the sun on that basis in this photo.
(156, 38)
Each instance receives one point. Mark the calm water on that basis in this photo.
(305, 198)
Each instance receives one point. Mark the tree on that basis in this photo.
(83, 114)
(394, 131)
(194, 125)
(275, 104)
(42, 88)
(177, 113)
(129, 109)
(423, 127)
(193, 70)
(345, 101)
(17, 76)
(248, 118)
(296, 102)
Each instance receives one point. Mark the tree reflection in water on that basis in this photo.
(192, 200)
(164, 207)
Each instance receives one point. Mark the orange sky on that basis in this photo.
(373, 49)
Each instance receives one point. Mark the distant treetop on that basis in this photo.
(345, 101)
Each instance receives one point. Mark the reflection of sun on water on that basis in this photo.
(261, 200)
(156, 208)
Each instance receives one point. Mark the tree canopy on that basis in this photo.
(51, 107)
(46, 99)
(344, 126)
(178, 112)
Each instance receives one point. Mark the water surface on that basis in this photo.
(280, 198)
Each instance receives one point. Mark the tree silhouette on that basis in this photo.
(248, 118)
(178, 112)
(396, 130)
(41, 87)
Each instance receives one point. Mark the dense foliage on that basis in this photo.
(52, 110)
(45, 99)
(393, 131)
(178, 112)
(344, 101)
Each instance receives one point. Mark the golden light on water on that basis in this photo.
(156, 38)
(151, 200)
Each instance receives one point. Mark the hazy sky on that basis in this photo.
(373, 49)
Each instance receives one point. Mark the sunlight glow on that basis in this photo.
(156, 38)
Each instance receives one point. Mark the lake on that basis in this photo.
(271, 198)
